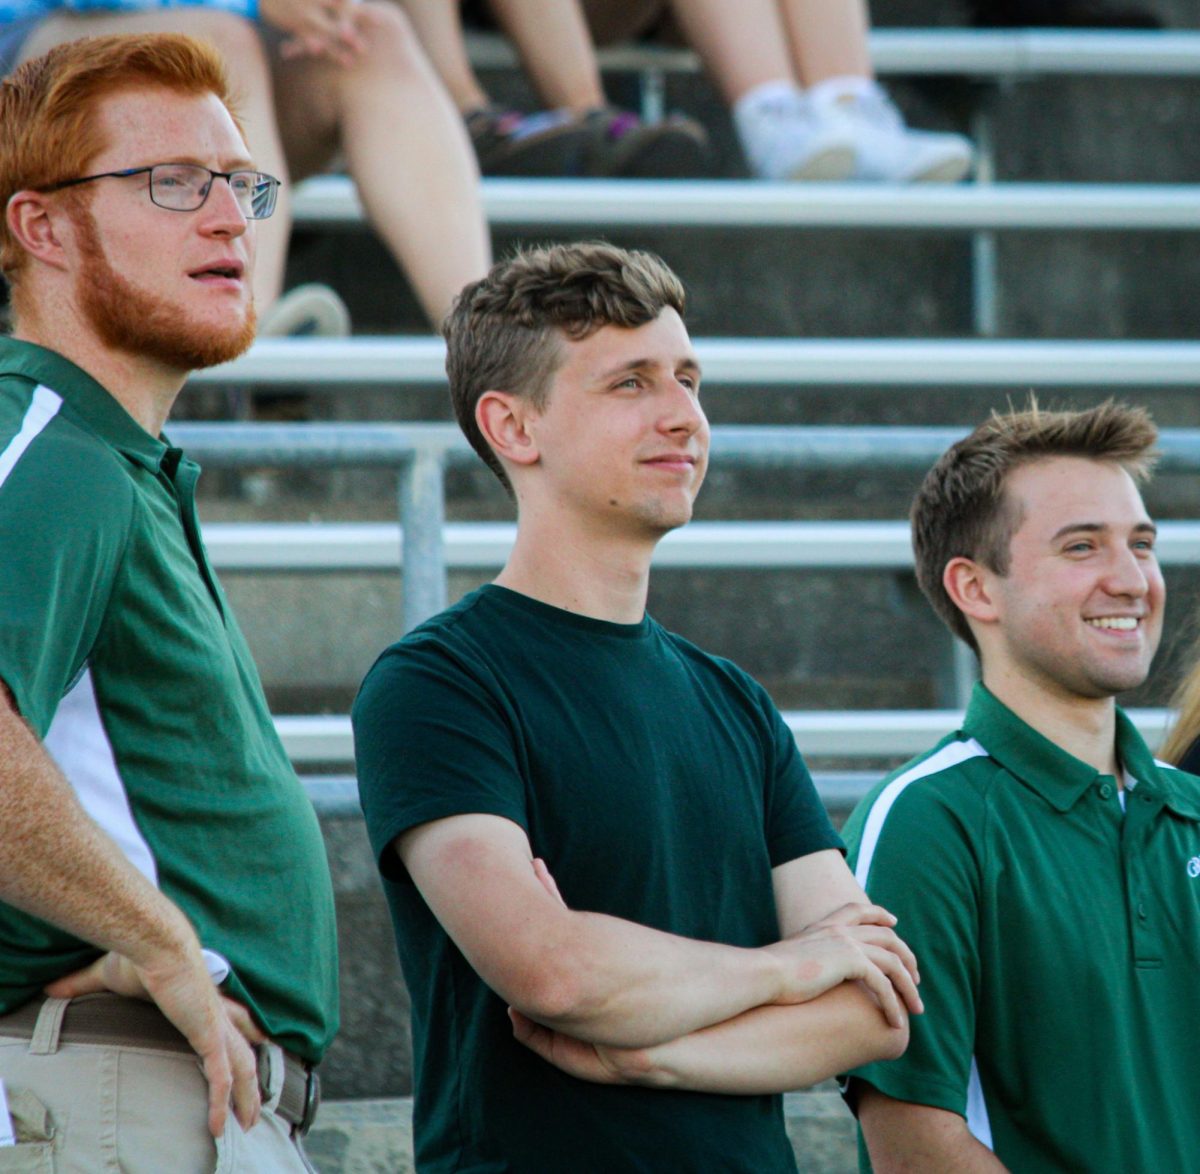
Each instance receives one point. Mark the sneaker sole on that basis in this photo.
(946, 171)
(830, 165)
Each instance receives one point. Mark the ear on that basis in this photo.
(33, 223)
(503, 419)
(966, 582)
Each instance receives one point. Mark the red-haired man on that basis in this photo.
(164, 886)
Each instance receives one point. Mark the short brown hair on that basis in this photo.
(502, 333)
(960, 511)
(48, 106)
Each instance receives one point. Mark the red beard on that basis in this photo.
(127, 318)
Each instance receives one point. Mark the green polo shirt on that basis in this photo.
(120, 650)
(1059, 943)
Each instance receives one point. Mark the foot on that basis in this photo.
(622, 145)
(310, 310)
(510, 143)
(885, 148)
(782, 138)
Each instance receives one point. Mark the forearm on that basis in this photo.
(621, 984)
(57, 864)
(608, 981)
(771, 1049)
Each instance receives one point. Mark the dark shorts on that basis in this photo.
(12, 36)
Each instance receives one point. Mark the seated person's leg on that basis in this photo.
(403, 144)
(829, 45)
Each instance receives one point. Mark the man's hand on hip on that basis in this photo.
(220, 1030)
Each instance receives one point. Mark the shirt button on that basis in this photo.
(1105, 790)
(1142, 914)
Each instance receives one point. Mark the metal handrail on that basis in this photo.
(329, 200)
(756, 362)
(841, 734)
(959, 52)
(420, 454)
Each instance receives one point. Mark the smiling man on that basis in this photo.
(713, 948)
(1038, 858)
(162, 874)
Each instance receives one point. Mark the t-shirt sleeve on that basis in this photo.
(796, 821)
(431, 740)
(920, 861)
(64, 522)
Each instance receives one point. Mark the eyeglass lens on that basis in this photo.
(183, 187)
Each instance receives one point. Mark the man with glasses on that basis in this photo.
(164, 892)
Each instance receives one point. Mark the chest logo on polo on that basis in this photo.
(1193, 867)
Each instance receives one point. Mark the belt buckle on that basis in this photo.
(312, 1100)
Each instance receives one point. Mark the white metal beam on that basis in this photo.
(749, 362)
(375, 546)
(853, 734)
(331, 199)
(946, 51)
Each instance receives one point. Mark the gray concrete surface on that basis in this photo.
(375, 1136)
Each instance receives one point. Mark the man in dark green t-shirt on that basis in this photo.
(1043, 865)
(624, 919)
(162, 875)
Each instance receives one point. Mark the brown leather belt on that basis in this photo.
(113, 1020)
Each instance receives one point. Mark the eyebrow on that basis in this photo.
(1099, 528)
(689, 363)
(229, 163)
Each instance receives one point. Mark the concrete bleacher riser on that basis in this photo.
(819, 636)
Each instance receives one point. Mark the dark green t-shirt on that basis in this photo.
(660, 785)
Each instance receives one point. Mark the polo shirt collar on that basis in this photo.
(1061, 778)
(87, 398)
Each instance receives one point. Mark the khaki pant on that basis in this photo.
(87, 1108)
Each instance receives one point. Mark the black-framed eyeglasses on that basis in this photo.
(183, 187)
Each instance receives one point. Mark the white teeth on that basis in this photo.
(1120, 623)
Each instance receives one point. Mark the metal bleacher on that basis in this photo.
(420, 454)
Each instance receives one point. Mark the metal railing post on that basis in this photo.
(966, 673)
(985, 312)
(653, 94)
(422, 513)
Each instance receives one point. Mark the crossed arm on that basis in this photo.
(608, 999)
(57, 864)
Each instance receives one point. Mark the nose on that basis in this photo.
(1129, 573)
(682, 412)
(221, 213)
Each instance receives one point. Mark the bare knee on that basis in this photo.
(392, 43)
(237, 40)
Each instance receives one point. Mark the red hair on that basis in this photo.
(48, 128)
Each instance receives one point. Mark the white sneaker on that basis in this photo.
(886, 148)
(783, 139)
(311, 310)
